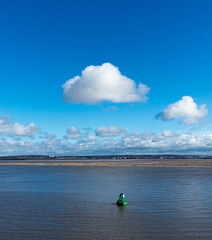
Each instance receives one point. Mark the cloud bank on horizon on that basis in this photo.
(186, 109)
(102, 140)
(166, 142)
(103, 83)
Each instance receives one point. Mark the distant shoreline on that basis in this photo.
(107, 157)
(201, 163)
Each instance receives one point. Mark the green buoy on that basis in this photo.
(121, 201)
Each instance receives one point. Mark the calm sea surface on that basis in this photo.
(47, 202)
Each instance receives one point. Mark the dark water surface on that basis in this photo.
(46, 202)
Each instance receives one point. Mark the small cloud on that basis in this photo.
(111, 131)
(103, 83)
(185, 108)
(92, 139)
(87, 130)
(113, 108)
(17, 129)
(5, 124)
(50, 136)
(73, 133)
(5, 119)
(27, 131)
(168, 133)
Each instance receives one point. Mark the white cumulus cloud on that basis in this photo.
(111, 131)
(92, 138)
(185, 108)
(73, 133)
(17, 129)
(103, 83)
(168, 133)
(21, 130)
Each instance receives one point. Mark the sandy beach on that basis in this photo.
(206, 163)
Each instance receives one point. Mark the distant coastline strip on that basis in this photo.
(143, 163)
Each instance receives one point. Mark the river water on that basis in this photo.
(48, 202)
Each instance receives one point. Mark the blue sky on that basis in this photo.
(165, 45)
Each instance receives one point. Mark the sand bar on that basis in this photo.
(206, 163)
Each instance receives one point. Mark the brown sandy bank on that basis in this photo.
(103, 163)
